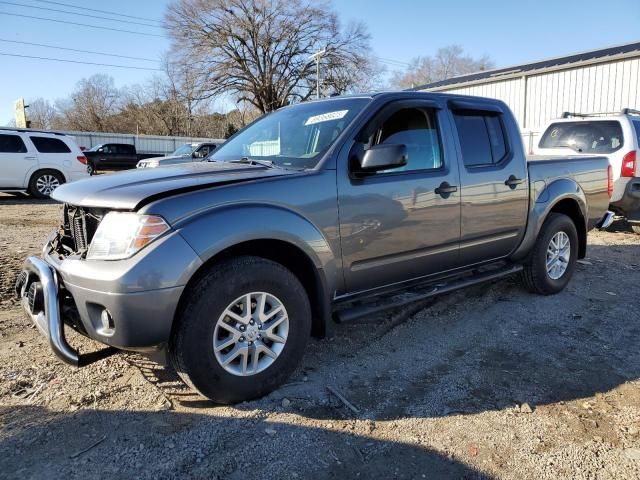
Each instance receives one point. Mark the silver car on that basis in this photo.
(189, 152)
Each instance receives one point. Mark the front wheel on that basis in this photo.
(91, 168)
(242, 330)
(551, 263)
(635, 227)
(44, 182)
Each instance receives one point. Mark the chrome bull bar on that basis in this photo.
(49, 320)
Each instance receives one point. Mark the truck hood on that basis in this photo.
(168, 158)
(129, 189)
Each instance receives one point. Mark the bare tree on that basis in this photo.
(92, 105)
(259, 49)
(448, 62)
(41, 113)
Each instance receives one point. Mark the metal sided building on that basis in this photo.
(605, 80)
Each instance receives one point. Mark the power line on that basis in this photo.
(81, 24)
(96, 10)
(77, 50)
(78, 61)
(80, 14)
(393, 62)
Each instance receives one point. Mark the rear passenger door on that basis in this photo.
(52, 153)
(126, 155)
(493, 176)
(15, 161)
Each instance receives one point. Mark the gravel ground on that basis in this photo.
(490, 382)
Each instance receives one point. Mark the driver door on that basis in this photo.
(394, 225)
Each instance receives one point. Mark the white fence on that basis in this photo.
(155, 144)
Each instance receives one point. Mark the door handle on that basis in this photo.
(444, 190)
(513, 182)
(30, 157)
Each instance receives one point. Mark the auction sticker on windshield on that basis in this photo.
(326, 117)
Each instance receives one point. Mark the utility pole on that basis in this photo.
(316, 56)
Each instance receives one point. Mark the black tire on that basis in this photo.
(636, 228)
(91, 168)
(191, 344)
(34, 187)
(535, 276)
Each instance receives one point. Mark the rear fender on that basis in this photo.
(543, 203)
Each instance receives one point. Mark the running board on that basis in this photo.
(406, 298)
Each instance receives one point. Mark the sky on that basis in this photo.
(509, 32)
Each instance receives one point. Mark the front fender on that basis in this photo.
(216, 230)
(541, 203)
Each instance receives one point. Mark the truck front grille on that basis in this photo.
(80, 224)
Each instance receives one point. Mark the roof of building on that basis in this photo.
(542, 64)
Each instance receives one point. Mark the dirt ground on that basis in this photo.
(491, 382)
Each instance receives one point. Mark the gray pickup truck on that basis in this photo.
(324, 211)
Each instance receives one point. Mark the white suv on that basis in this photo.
(612, 135)
(38, 161)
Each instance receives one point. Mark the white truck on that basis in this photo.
(38, 162)
(613, 135)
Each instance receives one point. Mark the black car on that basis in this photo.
(112, 156)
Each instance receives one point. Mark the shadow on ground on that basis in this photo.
(175, 445)
(489, 348)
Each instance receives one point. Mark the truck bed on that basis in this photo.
(588, 172)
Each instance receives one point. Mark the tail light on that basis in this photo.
(629, 165)
(82, 159)
(610, 180)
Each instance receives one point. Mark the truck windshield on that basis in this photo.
(293, 137)
(588, 136)
(94, 148)
(186, 149)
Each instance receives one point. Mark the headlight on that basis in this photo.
(122, 234)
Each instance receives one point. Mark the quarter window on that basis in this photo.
(49, 145)
(12, 144)
(481, 137)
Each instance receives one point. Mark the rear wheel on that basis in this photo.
(552, 261)
(242, 330)
(635, 227)
(44, 182)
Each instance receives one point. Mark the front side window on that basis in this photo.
(49, 145)
(482, 138)
(292, 137)
(416, 128)
(12, 144)
(588, 136)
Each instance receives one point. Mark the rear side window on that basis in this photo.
(482, 138)
(598, 136)
(50, 145)
(12, 144)
(636, 126)
(126, 149)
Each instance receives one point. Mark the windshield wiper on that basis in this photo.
(254, 161)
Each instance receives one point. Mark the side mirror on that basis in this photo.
(384, 157)
(100, 150)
